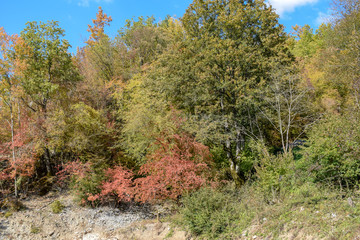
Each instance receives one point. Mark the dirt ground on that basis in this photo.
(38, 221)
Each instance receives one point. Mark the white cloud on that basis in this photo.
(323, 18)
(283, 6)
(86, 3)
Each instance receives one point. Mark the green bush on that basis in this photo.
(8, 214)
(34, 229)
(275, 174)
(211, 213)
(333, 151)
(57, 206)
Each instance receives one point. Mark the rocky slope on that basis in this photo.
(38, 221)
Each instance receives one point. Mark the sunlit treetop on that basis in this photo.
(97, 31)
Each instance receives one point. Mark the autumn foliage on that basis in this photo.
(23, 165)
(119, 186)
(179, 165)
(75, 169)
(97, 31)
(176, 167)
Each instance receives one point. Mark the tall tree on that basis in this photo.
(343, 50)
(48, 77)
(11, 46)
(97, 30)
(96, 62)
(8, 84)
(216, 71)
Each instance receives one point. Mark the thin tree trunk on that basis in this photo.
(13, 145)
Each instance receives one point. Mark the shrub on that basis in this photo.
(213, 213)
(34, 229)
(333, 151)
(8, 214)
(12, 204)
(275, 175)
(57, 207)
(82, 178)
(178, 166)
(118, 184)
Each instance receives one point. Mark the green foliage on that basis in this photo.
(309, 43)
(306, 210)
(86, 186)
(213, 214)
(145, 117)
(56, 206)
(49, 70)
(144, 38)
(275, 174)
(215, 71)
(8, 214)
(82, 131)
(333, 150)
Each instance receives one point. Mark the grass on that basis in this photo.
(34, 229)
(8, 214)
(308, 211)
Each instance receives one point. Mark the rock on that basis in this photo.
(91, 236)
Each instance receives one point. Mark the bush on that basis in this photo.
(275, 175)
(333, 151)
(34, 229)
(83, 179)
(178, 166)
(57, 207)
(12, 204)
(212, 213)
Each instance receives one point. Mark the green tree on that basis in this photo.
(217, 69)
(144, 38)
(48, 77)
(333, 150)
(343, 51)
(143, 112)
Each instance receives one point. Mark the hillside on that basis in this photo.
(38, 221)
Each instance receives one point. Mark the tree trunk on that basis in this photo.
(12, 145)
(47, 158)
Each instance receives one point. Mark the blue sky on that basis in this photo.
(75, 15)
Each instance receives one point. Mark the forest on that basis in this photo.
(219, 111)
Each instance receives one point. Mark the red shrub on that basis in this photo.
(119, 184)
(24, 164)
(77, 169)
(176, 167)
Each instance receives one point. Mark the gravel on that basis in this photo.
(74, 222)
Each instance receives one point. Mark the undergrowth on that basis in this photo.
(308, 211)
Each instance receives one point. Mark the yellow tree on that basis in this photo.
(97, 30)
(9, 87)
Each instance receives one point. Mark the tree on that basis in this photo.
(342, 52)
(216, 70)
(10, 93)
(144, 38)
(144, 113)
(48, 77)
(285, 107)
(333, 150)
(97, 31)
(8, 84)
